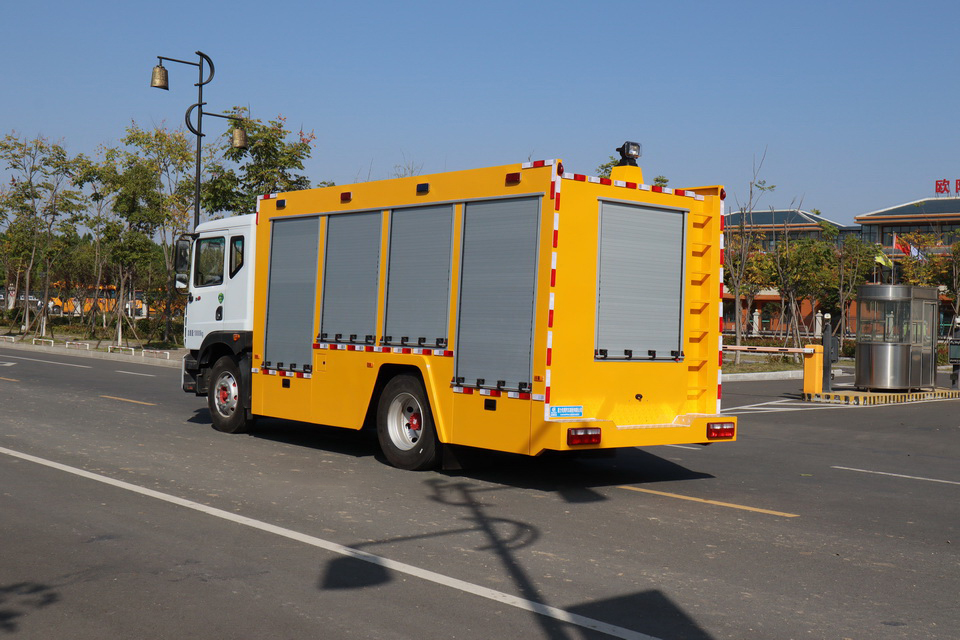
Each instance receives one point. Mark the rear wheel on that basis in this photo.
(405, 425)
(223, 397)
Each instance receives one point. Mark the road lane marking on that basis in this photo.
(896, 475)
(333, 547)
(681, 446)
(713, 502)
(62, 364)
(10, 379)
(149, 404)
(134, 373)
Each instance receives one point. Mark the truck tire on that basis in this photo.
(223, 397)
(405, 426)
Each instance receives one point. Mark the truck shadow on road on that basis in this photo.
(643, 615)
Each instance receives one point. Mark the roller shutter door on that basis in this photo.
(418, 276)
(497, 290)
(640, 282)
(350, 276)
(291, 291)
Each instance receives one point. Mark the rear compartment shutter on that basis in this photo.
(497, 289)
(350, 276)
(418, 275)
(640, 282)
(291, 291)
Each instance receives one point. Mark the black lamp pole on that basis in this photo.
(159, 80)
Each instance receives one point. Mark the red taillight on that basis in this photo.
(513, 178)
(721, 430)
(346, 196)
(589, 435)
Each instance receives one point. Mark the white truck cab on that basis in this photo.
(216, 270)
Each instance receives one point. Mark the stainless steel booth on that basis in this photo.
(896, 337)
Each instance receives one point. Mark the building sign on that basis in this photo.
(943, 186)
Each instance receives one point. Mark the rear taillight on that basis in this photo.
(721, 430)
(588, 435)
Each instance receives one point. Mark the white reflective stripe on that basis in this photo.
(549, 339)
(551, 301)
(553, 260)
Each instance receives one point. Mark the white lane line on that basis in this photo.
(680, 446)
(896, 475)
(333, 547)
(62, 364)
(134, 373)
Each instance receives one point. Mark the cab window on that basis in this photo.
(208, 269)
(236, 254)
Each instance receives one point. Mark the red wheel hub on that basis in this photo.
(414, 422)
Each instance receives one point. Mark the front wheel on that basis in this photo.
(405, 426)
(223, 397)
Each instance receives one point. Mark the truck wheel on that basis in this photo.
(223, 397)
(405, 425)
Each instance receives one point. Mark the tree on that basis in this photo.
(154, 191)
(268, 165)
(851, 264)
(39, 197)
(741, 243)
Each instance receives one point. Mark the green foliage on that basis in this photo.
(603, 170)
(269, 164)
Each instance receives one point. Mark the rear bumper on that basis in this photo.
(685, 429)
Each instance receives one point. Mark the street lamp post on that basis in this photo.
(159, 81)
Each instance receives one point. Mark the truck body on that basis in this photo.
(516, 308)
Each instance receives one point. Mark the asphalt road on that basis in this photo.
(124, 514)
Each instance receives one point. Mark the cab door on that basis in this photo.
(205, 301)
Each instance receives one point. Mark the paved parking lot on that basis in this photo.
(126, 514)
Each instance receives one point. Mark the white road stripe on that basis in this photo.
(681, 446)
(896, 475)
(134, 373)
(62, 364)
(333, 547)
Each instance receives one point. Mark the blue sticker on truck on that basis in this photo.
(570, 411)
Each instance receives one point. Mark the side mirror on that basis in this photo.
(181, 257)
(182, 282)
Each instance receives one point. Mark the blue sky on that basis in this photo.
(856, 104)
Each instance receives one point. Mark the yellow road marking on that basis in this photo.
(714, 502)
(149, 404)
(10, 379)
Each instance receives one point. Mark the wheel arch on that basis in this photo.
(236, 344)
(385, 374)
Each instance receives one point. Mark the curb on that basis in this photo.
(176, 355)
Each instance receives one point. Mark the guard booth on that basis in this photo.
(896, 337)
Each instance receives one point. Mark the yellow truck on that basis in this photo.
(518, 308)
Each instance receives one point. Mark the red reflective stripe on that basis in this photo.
(656, 188)
(679, 192)
(631, 185)
(579, 177)
(549, 357)
(539, 163)
(550, 318)
(606, 181)
(553, 277)
(556, 238)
